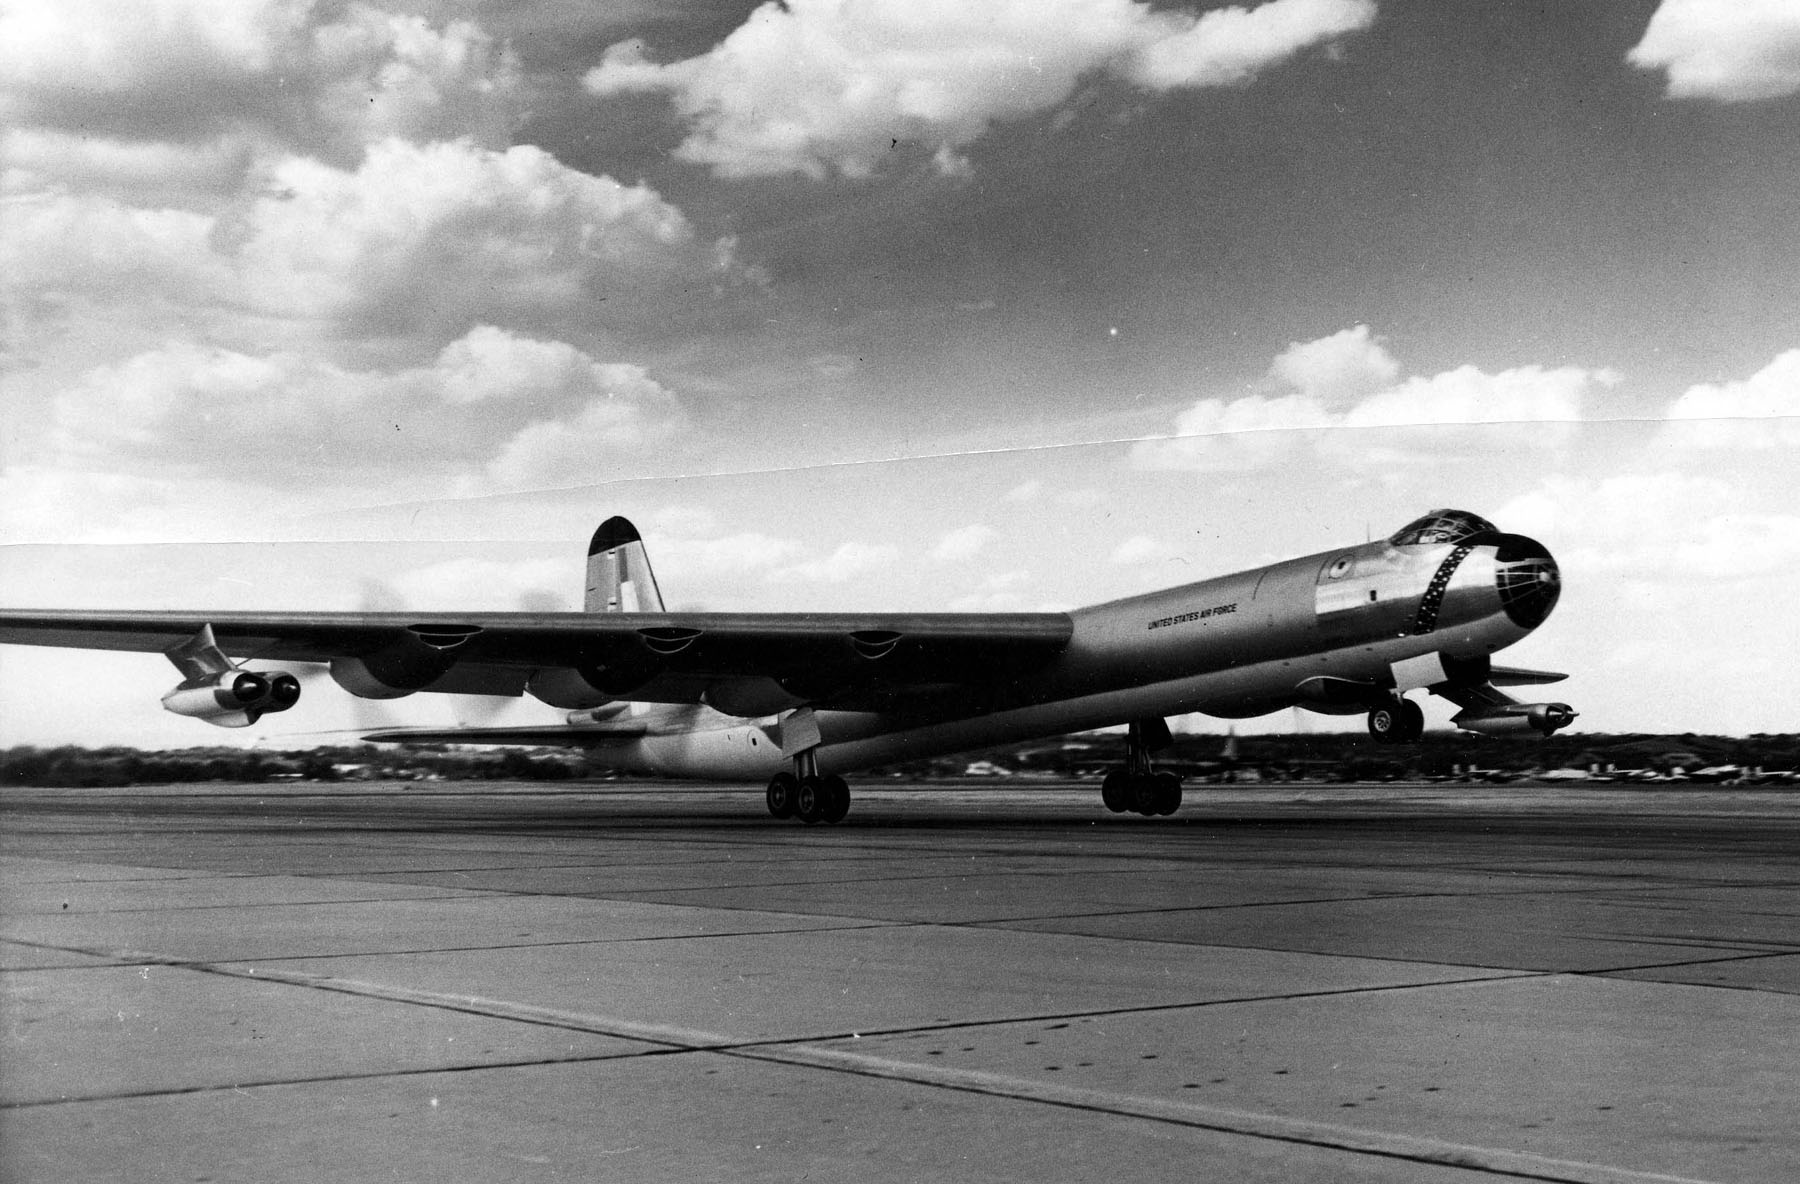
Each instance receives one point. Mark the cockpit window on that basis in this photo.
(1443, 526)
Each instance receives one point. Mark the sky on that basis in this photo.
(895, 304)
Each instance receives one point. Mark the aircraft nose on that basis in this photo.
(1527, 578)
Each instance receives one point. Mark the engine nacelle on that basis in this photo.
(233, 698)
(568, 688)
(412, 661)
(1515, 719)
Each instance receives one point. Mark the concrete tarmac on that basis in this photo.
(995, 981)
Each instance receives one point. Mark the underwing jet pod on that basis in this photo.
(800, 699)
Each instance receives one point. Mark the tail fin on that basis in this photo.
(619, 579)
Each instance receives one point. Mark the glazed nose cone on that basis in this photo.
(1527, 579)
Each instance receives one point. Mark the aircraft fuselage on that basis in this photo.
(1326, 632)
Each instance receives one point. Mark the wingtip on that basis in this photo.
(615, 532)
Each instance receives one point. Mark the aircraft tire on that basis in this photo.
(810, 800)
(1144, 794)
(837, 798)
(1114, 791)
(1168, 793)
(1399, 722)
(782, 789)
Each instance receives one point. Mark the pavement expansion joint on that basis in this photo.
(261, 904)
(328, 1078)
(1755, 957)
(1254, 1124)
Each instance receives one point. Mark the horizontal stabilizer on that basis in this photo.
(1513, 676)
(545, 736)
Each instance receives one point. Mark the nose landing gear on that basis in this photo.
(1137, 786)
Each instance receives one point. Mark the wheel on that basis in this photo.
(837, 798)
(1412, 722)
(1143, 794)
(1168, 793)
(1400, 722)
(810, 800)
(782, 788)
(1114, 791)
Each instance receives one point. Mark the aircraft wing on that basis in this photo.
(742, 663)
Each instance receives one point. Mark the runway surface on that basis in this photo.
(465, 982)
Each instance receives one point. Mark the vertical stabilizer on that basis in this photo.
(619, 579)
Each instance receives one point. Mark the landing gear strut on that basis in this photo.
(805, 795)
(1138, 786)
(1397, 722)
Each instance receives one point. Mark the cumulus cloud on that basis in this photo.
(38, 160)
(1348, 380)
(1236, 434)
(340, 167)
(1346, 365)
(379, 74)
(1140, 550)
(316, 78)
(1733, 51)
(849, 561)
(43, 502)
(468, 584)
(274, 418)
(1000, 592)
(738, 554)
(54, 247)
(1230, 46)
(424, 239)
(445, 234)
(1760, 412)
(1659, 528)
(964, 543)
(1526, 394)
(85, 61)
(311, 212)
(816, 85)
(626, 411)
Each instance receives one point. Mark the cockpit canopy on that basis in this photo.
(1443, 526)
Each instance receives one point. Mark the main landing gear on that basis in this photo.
(805, 795)
(1139, 787)
(1398, 721)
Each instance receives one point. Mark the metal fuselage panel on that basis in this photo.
(1237, 646)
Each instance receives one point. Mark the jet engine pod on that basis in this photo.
(233, 698)
(284, 691)
(1515, 719)
(220, 694)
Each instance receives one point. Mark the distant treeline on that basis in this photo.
(100, 767)
(1321, 757)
